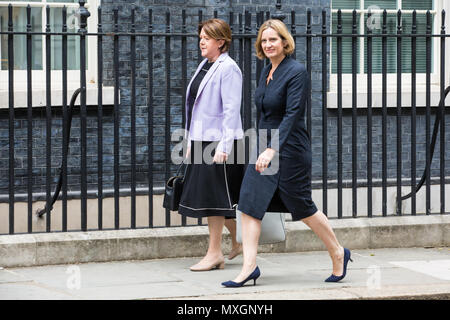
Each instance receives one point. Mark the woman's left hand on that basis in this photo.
(264, 159)
(220, 157)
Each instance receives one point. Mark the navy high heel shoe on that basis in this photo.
(334, 278)
(253, 276)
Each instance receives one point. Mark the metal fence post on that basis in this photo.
(83, 14)
(11, 117)
(278, 14)
(442, 113)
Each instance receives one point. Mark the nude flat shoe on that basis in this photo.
(235, 252)
(202, 267)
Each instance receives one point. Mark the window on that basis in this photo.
(38, 24)
(38, 21)
(362, 8)
(391, 6)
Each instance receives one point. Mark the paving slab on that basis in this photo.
(374, 274)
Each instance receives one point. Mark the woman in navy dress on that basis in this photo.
(281, 101)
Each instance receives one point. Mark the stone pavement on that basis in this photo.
(404, 273)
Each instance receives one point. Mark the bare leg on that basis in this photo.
(251, 230)
(231, 226)
(214, 254)
(235, 246)
(319, 224)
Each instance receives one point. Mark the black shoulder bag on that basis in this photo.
(174, 189)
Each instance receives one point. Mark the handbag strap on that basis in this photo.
(179, 168)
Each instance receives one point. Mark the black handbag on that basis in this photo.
(173, 190)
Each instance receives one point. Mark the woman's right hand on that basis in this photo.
(264, 159)
(188, 152)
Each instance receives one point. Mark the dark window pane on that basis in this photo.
(347, 22)
(20, 41)
(377, 47)
(392, 46)
(420, 43)
(345, 4)
(73, 42)
(417, 4)
(382, 4)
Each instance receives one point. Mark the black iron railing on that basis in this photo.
(244, 34)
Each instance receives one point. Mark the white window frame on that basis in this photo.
(39, 76)
(439, 5)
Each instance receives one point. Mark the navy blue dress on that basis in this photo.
(282, 105)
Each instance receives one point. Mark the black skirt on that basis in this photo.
(212, 189)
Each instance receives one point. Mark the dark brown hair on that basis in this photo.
(218, 30)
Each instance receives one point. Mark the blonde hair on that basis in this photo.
(218, 30)
(282, 31)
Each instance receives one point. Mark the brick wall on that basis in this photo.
(192, 7)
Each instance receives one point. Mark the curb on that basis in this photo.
(141, 244)
(390, 292)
